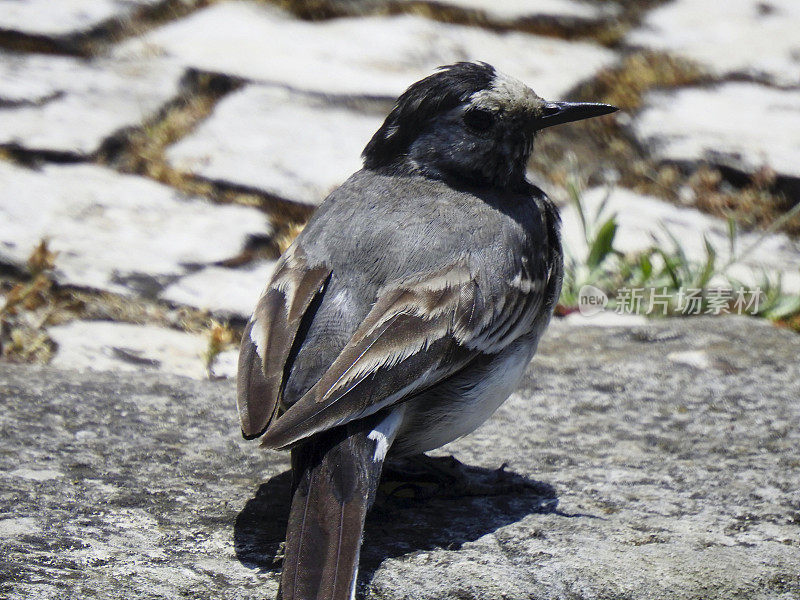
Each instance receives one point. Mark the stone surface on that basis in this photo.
(121, 233)
(290, 145)
(222, 291)
(109, 346)
(70, 106)
(665, 456)
(744, 126)
(755, 38)
(516, 11)
(641, 221)
(373, 56)
(66, 17)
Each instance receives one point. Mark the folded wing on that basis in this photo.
(268, 338)
(418, 332)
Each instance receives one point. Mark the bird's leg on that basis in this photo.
(423, 476)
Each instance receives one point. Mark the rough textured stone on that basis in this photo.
(641, 223)
(293, 146)
(66, 105)
(373, 56)
(659, 476)
(109, 346)
(743, 126)
(115, 232)
(756, 38)
(66, 17)
(222, 291)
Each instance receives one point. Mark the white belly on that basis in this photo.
(464, 404)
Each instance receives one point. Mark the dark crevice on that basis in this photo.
(35, 158)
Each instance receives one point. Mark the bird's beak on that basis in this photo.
(556, 113)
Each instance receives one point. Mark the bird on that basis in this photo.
(407, 309)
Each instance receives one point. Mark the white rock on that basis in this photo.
(757, 38)
(226, 364)
(516, 10)
(108, 346)
(67, 105)
(640, 225)
(61, 18)
(13, 527)
(373, 56)
(740, 125)
(222, 291)
(36, 474)
(287, 144)
(693, 358)
(116, 232)
(605, 318)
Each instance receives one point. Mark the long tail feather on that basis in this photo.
(336, 474)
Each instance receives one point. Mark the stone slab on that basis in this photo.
(120, 233)
(294, 146)
(107, 346)
(71, 106)
(740, 125)
(755, 38)
(372, 56)
(640, 225)
(519, 11)
(664, 478)
(64, 18)
(222, 291)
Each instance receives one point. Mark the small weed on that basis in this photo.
(26, 306)
(220, 338)
(675, 281)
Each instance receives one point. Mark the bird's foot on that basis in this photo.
(425, 476)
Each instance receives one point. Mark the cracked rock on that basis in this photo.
(66, 18)
(108, 346)
(71, 106)
(519, 12)
(371, 56)
(744, 126)
(754, 38)
(119, 233)
(293, 146)
(222, 291)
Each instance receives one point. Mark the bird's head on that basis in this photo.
(468, 122)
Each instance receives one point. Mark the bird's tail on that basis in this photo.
(336, 474)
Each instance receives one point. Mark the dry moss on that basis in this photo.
(755, 204)
(220, 337)
(624, 85)
(141, 150)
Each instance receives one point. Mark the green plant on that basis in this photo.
(666, 273)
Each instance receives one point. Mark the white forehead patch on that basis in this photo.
(505, 93)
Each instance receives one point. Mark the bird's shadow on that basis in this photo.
(396, 525)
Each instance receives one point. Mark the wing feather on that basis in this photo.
(418, 333)
(269, 337)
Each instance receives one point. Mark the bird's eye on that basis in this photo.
(479, 120)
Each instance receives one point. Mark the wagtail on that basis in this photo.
(407, 310)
